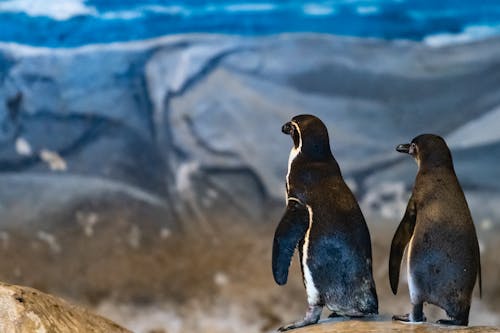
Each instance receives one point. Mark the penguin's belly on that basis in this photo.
(436, 273)
(337, 274)
(426, 266)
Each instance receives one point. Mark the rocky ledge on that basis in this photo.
(24, 309)
(388, 326)
(188, 126)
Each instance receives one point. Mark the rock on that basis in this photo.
(349, 326)
(24, 310)
(151, 116)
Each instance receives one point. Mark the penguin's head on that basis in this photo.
(309, 135)
(292, 128)
(428, 150)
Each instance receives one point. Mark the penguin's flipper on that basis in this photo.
(401, 238)
(290, 231)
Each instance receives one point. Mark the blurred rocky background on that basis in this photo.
(144, 179)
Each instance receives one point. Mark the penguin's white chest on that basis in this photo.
(311, 290)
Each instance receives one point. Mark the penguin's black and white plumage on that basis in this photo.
(443, 253)
(324, 221)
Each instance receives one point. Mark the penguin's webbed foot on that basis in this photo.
(312, 317)
(288, 327)
(454, 322)
(352, 315)
(405, 317)
(297, 324)
(416, 315)
(355, 315)
(334, 315)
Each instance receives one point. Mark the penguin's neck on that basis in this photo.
(425, 168)
(316, 149)
(434, 160)
(312, 159)
(317, 155)
(294, 152)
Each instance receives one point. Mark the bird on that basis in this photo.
(443, 259)
(323, 220)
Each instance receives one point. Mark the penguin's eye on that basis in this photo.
(413, 149)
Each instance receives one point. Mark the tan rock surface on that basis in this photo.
(351, 326)
(27, 310)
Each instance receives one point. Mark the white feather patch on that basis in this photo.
(311, 290)
(411, 285)
(293, 154)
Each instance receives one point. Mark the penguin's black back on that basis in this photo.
(444, 250)
(323, 217)
(444, 247)
(339, 254)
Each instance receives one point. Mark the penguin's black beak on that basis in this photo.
(403, 148)
(287, 128)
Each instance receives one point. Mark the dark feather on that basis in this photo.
(289, 232)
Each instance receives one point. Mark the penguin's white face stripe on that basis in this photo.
(296, 126)
(293, 154)
(311, 290)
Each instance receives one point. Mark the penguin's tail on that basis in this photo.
(370, 304)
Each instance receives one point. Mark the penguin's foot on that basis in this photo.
(356, 315)
(334, 315)
(347, 315)
(417, 313)
(455, 322)
(312, 317)
(407, 318)
(297, 324)
(294, 325)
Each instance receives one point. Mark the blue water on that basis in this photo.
(67, 23)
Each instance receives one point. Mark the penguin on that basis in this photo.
(323, 219)
(443, 260)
